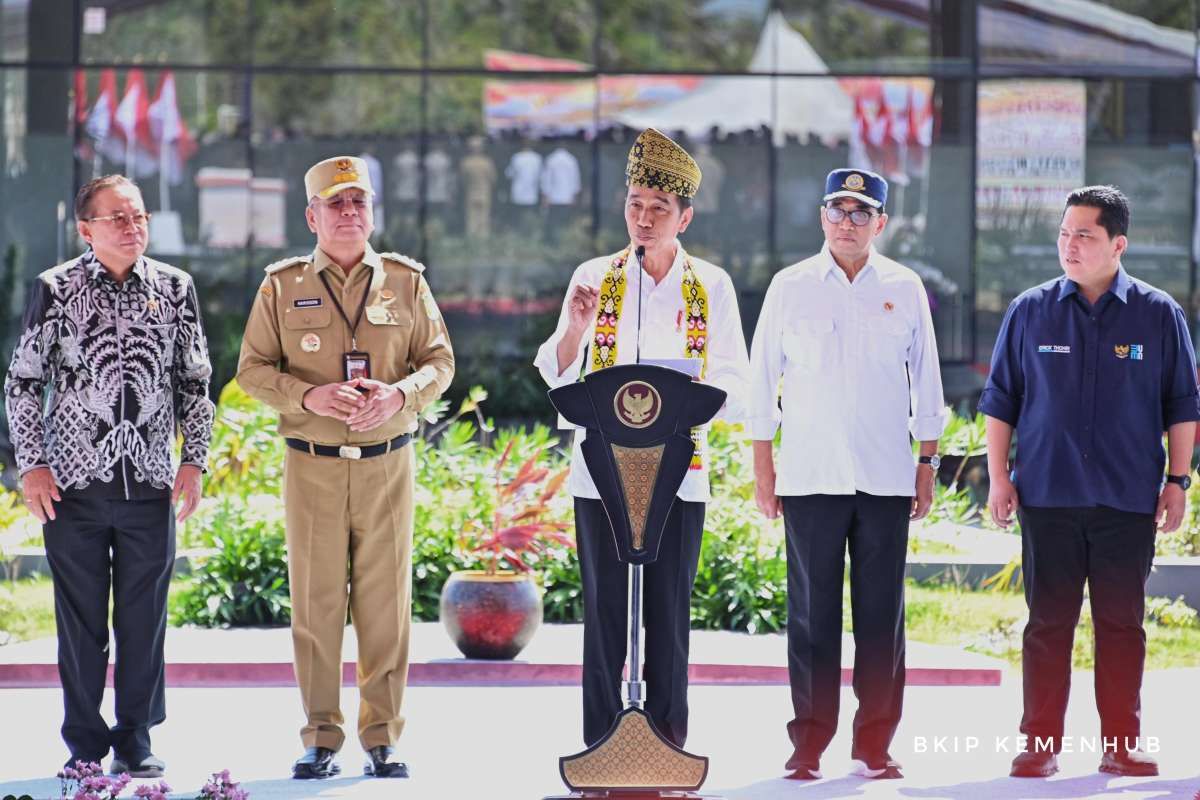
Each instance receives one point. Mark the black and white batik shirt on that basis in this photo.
(105, 374)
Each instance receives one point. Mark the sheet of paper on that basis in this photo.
(688, 366)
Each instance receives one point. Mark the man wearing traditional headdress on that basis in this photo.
(688, 309)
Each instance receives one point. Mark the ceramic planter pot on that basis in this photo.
(491, 616)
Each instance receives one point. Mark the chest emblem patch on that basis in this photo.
(310, 343)
(1121, 350)
(1134, 352)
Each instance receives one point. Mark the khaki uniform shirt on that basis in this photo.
(401, 329)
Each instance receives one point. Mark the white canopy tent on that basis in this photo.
(795, 106)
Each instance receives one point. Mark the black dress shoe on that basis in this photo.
(378, 766)
(316, 763)
(1128, 762)
(1034, 764)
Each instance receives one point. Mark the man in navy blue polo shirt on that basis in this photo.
(1091, 369)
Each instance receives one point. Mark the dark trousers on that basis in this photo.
(666, 602)
(1112, 551)
(818, 529)
(128, 545)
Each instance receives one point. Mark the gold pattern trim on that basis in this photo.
(638, 470)
(633, 758)
(656, 162)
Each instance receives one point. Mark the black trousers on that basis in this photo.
(818, 529)
(1112, 551)
(128, 545)
(666, 603)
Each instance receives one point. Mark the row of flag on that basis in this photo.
(144, 135)
(892, 134)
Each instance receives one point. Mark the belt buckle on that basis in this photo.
(349, 451)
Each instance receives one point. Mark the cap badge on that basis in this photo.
(854, 182)
(310, 343)
(346, 173)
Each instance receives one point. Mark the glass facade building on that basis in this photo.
(497, 132)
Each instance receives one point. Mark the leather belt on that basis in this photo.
(349, 451)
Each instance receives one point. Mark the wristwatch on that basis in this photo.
(1184, 481)
(934, 460)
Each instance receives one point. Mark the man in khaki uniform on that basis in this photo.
(348, 345)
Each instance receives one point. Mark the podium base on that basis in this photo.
(633, 760)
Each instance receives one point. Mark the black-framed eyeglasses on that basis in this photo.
(122, 221)
(858, 217)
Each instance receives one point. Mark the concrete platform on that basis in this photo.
(248, 657)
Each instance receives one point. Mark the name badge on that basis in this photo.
(358, 365)
(308, 302)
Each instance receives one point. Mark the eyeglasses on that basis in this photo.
(122, 221)
(858, 217)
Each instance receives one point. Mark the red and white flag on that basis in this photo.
(881, 143)
(169, 132)
(859, 136)
(99, 121)
(131, 129)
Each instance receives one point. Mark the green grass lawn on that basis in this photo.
(991, 623)
(26, 609)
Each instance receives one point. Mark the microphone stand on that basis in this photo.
(635, 687)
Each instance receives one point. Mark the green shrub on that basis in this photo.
(243, 579)
(1171, 613)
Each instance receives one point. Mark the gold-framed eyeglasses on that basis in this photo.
(122, 221)
(858, 217)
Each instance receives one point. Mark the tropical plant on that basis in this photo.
(243, 579)
(246, 454)
(518, 526)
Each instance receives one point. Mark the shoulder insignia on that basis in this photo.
(284, 263)
(408, 261)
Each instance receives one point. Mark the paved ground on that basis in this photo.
(504, 742)
(262, 656)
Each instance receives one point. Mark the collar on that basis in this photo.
(95, 269)
(321, 260)
(828, 265)
(675, 273)
(1119, 288)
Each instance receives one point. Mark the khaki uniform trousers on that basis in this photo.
(350, 522)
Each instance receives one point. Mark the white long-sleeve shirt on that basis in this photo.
(860, 373)
(663, 335)
(560, 178)
(524, 169)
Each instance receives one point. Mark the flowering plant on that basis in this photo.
(152, 791)
(221, 787)
(87, 781)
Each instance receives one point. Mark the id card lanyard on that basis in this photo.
(357, 364)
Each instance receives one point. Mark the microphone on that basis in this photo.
(641, 254)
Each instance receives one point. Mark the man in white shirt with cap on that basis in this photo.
(850, 334)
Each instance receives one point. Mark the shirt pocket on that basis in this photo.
(388, 315)
(810, 344)
(298, 323)
(888, 338)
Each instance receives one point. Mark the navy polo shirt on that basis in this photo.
(1090, 390)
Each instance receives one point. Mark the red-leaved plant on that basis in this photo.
(518, 528)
